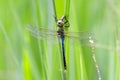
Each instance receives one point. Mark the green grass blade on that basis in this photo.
(23, 57)
(67, 8)
(54, 9)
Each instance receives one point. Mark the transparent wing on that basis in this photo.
(81, 38)
(41, 32)
(36, 28)
(79, 35)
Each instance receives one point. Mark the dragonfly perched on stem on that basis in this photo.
(84, 38)
(62, 24)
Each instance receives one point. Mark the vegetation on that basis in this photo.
(24, 57)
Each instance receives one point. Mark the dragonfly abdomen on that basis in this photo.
(63, 53)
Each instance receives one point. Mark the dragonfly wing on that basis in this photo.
(82, 34)
(42, 33)
(80, 38)
(36, 28)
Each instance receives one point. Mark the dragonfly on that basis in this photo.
(62, 23)
(84, 37)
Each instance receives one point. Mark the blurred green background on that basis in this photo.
(23, 57)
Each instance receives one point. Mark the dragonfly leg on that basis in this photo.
(55, 18)
(66, 22)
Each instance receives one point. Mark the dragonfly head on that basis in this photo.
(60, 23)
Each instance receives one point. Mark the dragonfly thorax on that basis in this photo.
(60, 32)
(61, 23)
